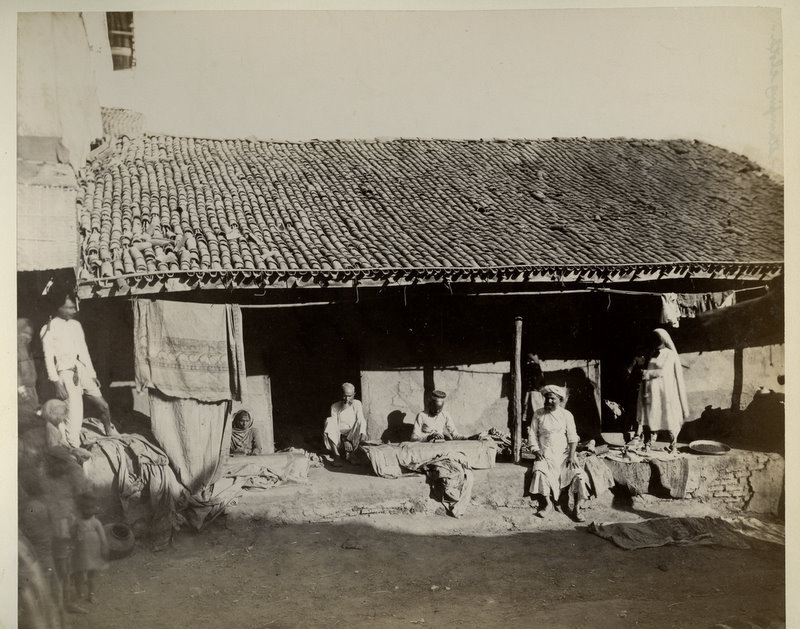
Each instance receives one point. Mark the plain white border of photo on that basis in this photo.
(8, 10)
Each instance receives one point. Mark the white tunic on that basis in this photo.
(551, 433)
(662, 396)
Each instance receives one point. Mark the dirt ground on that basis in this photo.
(380, 571)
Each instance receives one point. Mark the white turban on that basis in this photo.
(555, 390)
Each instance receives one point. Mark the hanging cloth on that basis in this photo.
(670, 312)
(191, 433)
(189, 350)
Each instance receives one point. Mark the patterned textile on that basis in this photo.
(189, 350)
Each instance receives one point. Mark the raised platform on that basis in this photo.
(740, 481)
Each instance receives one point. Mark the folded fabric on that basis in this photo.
(390, 460)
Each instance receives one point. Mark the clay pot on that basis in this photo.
(120, 540)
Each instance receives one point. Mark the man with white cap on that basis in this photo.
(435, 424)
(346, 426)
(553, 440)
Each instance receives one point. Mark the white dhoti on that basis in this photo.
(77, 383)
(346, 423)
(550, 477)
(552, 432)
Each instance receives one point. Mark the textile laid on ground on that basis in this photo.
(246, 472)
(139, 468)
(259, 471)
(451, 481)
(191, 433)
(765, 531)
(189, 350)
(706, 531)
(389, 460)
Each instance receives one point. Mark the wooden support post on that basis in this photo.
(516, 379)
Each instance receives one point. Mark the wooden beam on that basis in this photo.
(516, 378)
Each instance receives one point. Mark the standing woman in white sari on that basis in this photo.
(662, 395)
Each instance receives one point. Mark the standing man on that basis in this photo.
(436, 424)
(553, 441)
(70, 369)
(346, 426)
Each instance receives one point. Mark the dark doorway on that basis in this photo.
(307, 352)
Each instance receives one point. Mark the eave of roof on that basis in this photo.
(162, 213)
(573, 275)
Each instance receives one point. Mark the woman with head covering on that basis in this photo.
(245, 438)
(553, 440)
(662, 401)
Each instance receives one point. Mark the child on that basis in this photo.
(64, 479)
(55, 414)
(91, 546)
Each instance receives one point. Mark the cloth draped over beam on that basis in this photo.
(190, 358)
(189, 350)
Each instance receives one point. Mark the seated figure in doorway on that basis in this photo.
(553, 441)
(346, 426)
(435, 424)
(245, 437)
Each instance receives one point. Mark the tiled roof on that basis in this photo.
(155, 206)
(118, 122)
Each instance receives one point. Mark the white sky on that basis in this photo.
(658, 73)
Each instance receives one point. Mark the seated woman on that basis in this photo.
(245, 437)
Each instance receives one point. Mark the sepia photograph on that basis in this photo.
(396, 318)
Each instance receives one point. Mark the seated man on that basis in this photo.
(245, 437)
(436, 424)
(553, 441)
(346, 427)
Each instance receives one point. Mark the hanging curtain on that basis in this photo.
(189, 350)
(190, 358)
(191, 434)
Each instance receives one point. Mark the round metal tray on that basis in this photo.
(704, 446)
